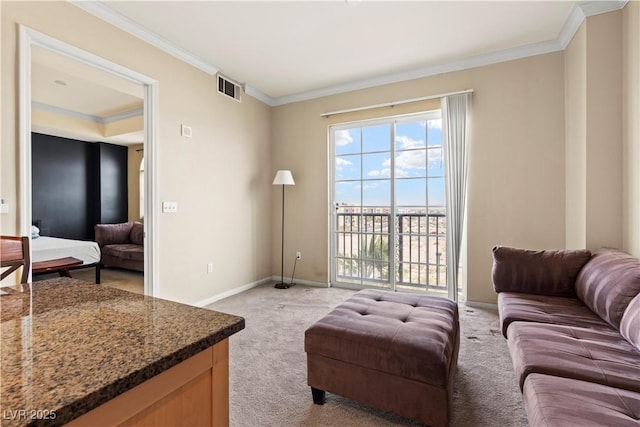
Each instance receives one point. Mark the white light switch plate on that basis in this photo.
(169, 207)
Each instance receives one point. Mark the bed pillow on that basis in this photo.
(35, 232)
(137, 234)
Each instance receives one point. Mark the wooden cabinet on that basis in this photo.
(192, 393)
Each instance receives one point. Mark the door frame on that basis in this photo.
(394, 120)
(29, 37)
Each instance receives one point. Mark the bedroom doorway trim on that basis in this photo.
(28, 38)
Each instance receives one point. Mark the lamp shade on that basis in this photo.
(283, 177)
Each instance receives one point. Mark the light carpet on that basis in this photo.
(268, 366)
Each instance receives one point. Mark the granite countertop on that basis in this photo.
(68, 346)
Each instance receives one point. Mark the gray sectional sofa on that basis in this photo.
(572, 321)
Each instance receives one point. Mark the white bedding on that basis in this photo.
(45, 248)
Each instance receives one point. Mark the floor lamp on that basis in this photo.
(283, 177)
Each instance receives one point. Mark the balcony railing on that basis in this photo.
(364, 255)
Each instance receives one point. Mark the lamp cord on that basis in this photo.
(294, 270)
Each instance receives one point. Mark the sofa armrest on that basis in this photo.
(109, 234)
(537, 272)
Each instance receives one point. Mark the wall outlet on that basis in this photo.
(210, 267)
(298, 255)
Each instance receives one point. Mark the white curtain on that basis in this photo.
(455, 124)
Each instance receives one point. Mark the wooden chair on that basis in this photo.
(15, 253)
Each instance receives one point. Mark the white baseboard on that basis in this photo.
(232, 292)
(480, 304)
(301, 282)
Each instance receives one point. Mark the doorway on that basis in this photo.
(29, 40)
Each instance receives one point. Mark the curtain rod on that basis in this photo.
(394, 103)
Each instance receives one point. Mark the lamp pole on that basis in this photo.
(282, 285)
(283, 177)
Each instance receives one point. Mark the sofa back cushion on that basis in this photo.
(137, 233)
(110, 234)
(608, 283)
(630, 323)
(537, 272)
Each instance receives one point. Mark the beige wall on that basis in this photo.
(631, 128)
(220, 178)
(604, 131)
(575, 92)
(594, 133)
(516, 171)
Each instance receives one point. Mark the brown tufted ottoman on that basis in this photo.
(394, 351)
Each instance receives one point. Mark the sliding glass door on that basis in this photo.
(388, 224)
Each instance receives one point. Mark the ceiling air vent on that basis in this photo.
(229, 88)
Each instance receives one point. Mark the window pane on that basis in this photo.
(412, 163)
(376, 165)
(376, 193)
(410, 135)
(347, 167)
(376, 138)
(411, 192)
(434, 132)
(436, 192)
(435, 162)
(347, 141)
(348, 193)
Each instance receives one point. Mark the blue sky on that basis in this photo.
(365, 153)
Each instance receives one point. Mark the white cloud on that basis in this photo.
(435, 124)
(342, 137)
(407, 143)
(340, 163)
(407, 161)
(379, 173)
(367, 185)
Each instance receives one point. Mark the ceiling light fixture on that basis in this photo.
(60, 82)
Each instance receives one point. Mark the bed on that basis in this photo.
(44, 248)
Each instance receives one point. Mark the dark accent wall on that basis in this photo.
(77, 184)
(113, 184)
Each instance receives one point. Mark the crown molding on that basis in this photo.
(86, 117)
(123, 115)
(590, 8)
(581, 11)
(100, 10)
(463, 64)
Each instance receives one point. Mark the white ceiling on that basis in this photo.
(67, 84)
(67, 87)
(290, 50)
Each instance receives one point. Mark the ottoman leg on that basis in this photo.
(318, 396)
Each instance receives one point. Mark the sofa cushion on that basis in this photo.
(515, 306)
(125, 251)
(608, 282)
(537, 272)
(136, 236)
(597, 356)
(559, 402)
(630, 323)
(108, 234)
